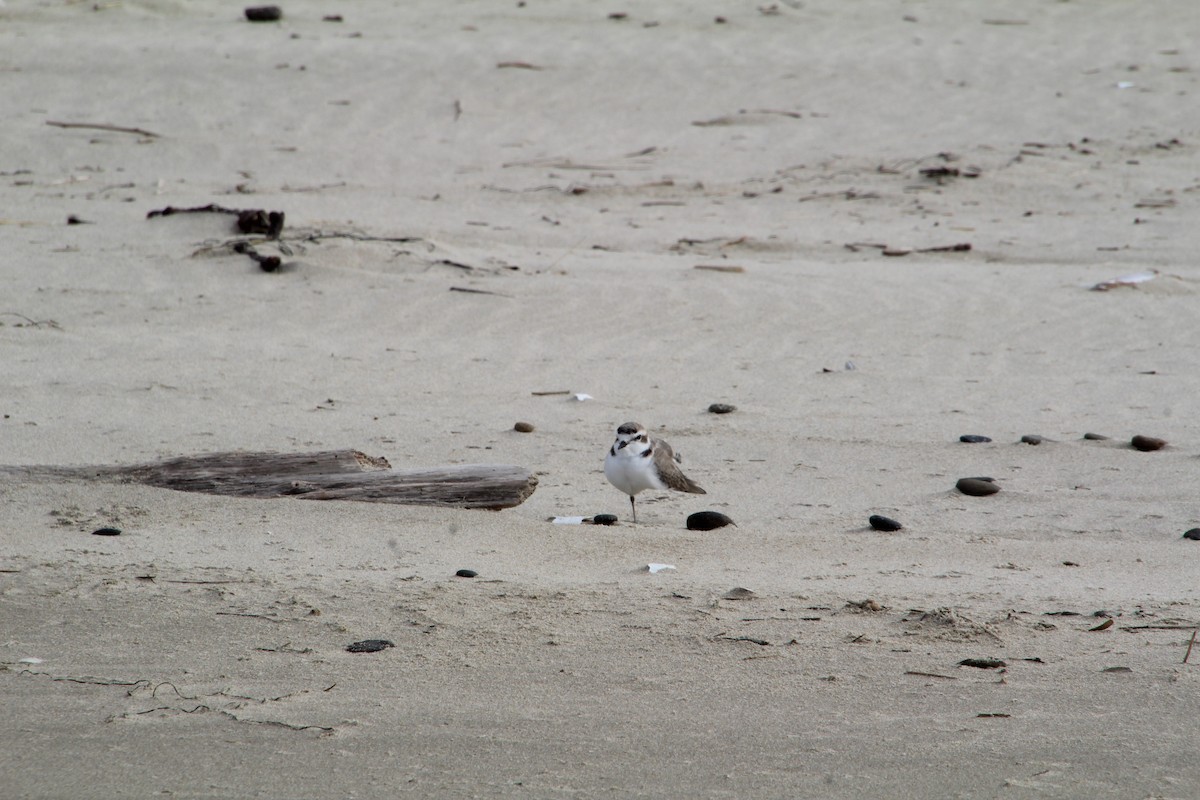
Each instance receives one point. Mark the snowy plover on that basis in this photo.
(636, 462)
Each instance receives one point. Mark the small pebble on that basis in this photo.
(1147, 443)
(721, 408)
(263, 13)
(466, 573)
(865, 605)
(1193, 534)
(881, 523)
(708, 521)
(369, 646)
(106, 532)
(982, 663)
(738, 593)
(974, 438)
(523, 427)
(604, 519)
(1032, 438)
(1096, 437)
(977, 487)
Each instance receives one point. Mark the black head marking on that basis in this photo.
(629, 428)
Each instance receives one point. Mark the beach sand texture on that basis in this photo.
(493, 206)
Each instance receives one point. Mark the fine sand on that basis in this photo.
(572, 170)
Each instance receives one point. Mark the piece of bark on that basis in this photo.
(320, 475)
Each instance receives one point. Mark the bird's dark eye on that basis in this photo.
(641, 437)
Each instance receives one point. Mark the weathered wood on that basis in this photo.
(321, 475)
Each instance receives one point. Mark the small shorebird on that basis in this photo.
(636, 462)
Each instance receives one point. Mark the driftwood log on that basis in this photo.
(321, 475)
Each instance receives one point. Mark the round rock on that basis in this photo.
(604, 519)
(264, 13)
(1147, 443)
(977, 487)
(523, 427)
(974, 438)
(882, 523)
(1193, 534)
(466, 573)
(708, 521)
(1032, 438)
(721, 408)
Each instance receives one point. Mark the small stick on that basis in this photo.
(1155, 627)
(547, 394)
(949, 248)
(32, 322)
(930, 675)
(477, 291)
(101, 127)
(720, 267)
(1190, 643)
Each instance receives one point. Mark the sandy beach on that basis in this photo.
(871, 227)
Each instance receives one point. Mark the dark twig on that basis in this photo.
(255, 616)
(49, 323)
(930, 675)
(102, 127)
(477, 291)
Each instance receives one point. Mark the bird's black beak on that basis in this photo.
(621, 445)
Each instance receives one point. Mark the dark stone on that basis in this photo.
(974, 438)
(264, 13)
(1193, 534)
(982, 663)
(977, 487)
(1032, 438)
(466, 573)
(1147, 443)
(369, 646)
(106, 532)
(604, 519)
(1096, 437)
(256, 220)
(523, 427)
(881, 523)
(721, 408)
(708, 521)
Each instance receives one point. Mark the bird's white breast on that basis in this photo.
(632, 472)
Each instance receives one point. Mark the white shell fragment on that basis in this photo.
(1132, 279)
(654, 569)
(30, 660)
(580, 397)
(567, 520)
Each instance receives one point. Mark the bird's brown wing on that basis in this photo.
(669, 471)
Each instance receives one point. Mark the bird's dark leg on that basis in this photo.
(633, 506)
